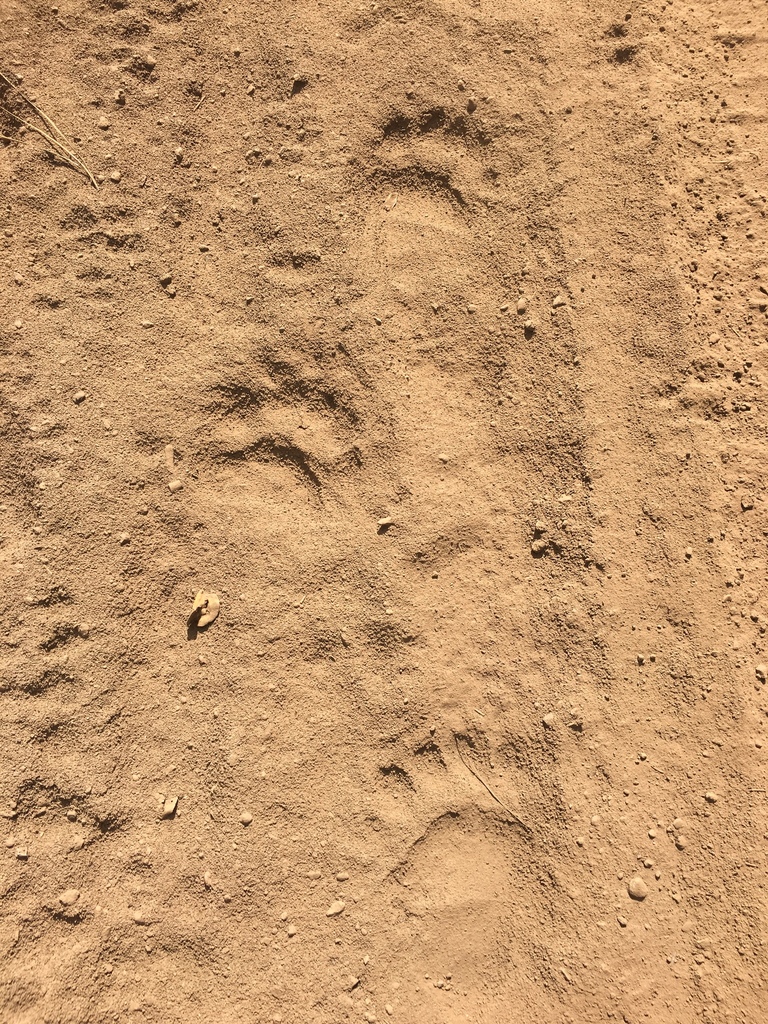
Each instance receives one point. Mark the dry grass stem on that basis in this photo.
(54, 136)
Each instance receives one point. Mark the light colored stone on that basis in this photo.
(336, 908)
(69, 897)
(169, 806)
(637, 888)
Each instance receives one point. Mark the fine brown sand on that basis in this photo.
(431, 337)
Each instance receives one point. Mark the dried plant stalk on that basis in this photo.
(59, 147)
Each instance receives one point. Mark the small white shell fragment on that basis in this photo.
(208, 604)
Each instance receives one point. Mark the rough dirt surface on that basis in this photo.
(494, 274)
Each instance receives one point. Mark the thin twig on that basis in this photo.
(64, 153)
(57, 140)
(482, 782)
(49, 121)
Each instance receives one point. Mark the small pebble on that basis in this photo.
(104, 123)
(558, 301)
(548, 720)
(291, 930)
(522, 305)
(175, 485)
(385, 521)
(169, 807)
(124, 538)
(761, 671)
(22, 853)
(711, 797)
(116, 176)
(69, 897)
(342, 876)
(471, 308)
(314, 874)
(139, 917)
(78, 397)
(538, 547)
(637, 888)
(246, 818)
(336, 908)
(622, 921)
(208, 879)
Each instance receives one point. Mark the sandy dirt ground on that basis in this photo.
(431, 336)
